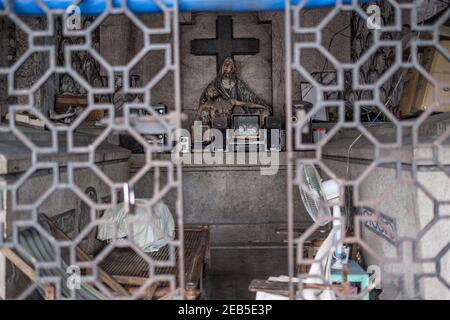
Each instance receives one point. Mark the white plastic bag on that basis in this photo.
(151, 227)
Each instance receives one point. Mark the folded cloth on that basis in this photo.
(150, 228)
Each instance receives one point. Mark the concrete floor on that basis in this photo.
(233, 268)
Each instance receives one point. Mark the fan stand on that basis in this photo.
(329, 254)
(337, 238)
(331, 190)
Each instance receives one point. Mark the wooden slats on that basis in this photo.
(130, 269)
(19, 263)
(103, 276)
(282, 287)
(124, 267)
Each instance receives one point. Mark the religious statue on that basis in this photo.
(227, 95)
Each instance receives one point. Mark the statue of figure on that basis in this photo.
(227, 94)
(213, 105)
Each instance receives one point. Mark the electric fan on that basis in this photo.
(315, 195)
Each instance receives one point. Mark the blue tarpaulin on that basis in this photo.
(96, 7)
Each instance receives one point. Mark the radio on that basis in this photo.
(246, 133)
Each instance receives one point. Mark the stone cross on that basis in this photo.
(224, 45)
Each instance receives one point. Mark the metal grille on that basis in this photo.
(378, 183)
(362, 91)
(73, 64)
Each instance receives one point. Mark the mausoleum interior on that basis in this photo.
(224, 149)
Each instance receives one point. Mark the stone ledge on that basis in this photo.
(16, 158)
(363, 149)
(137, 161)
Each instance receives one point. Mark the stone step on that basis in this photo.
(251, 234)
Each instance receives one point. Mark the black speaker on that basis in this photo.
(219, 139)
(273, 133)
(273, 122)
(220, 123)
(305, 106)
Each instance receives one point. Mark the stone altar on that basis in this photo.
(233, 199)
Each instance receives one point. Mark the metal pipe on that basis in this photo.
(96, 7)
(289, 141)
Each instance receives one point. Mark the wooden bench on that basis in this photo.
(123, 271)
(131, 270)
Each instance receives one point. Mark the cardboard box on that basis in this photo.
(407, 100)
(426, 62)
(443, 94)
(418, 93)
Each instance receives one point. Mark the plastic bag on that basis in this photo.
(151, 227)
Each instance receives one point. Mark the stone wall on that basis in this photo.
(414, 202)
(7, 55)
(215, 195)
(263, 72)
(379, 62)
(238, 203)
(198, 71)
(14, 43)
(118, 40)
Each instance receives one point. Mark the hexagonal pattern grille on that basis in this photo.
(59, 55)
(383, 160)
(393, 173)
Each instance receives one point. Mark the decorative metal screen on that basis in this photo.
(59, 52)
(391, 172)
